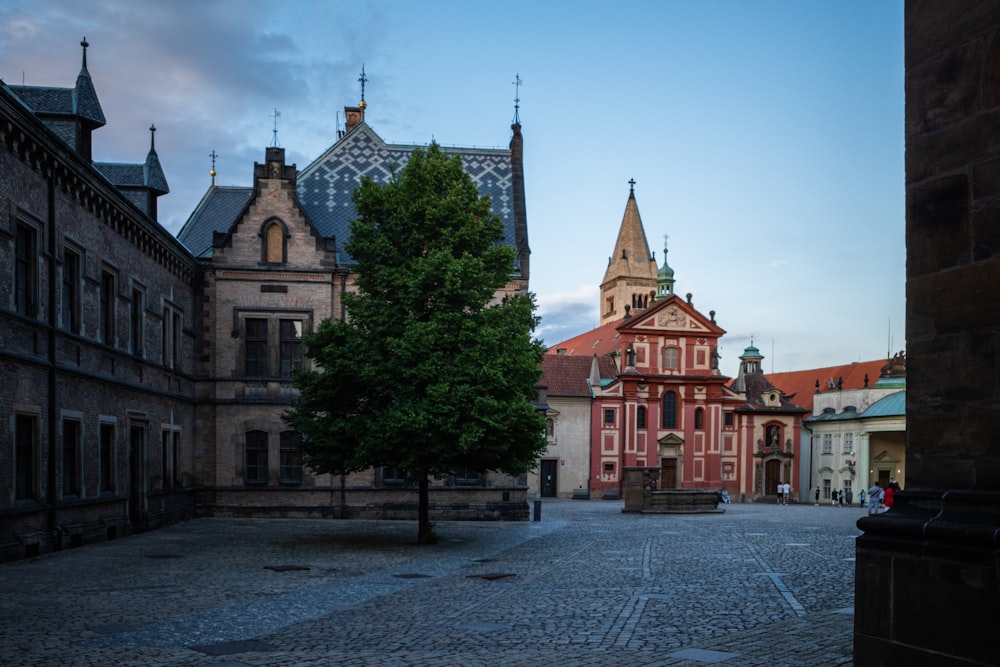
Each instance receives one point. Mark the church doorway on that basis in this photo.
(668, 473)
(772, 476)
(549, 478)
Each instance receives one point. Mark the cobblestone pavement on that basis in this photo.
(586, 585)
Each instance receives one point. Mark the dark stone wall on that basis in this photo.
(928, 571)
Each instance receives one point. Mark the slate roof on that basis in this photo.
(80, 101)
(148, 175)
(216, 212)
(802, 384)
(568, 376)
(325, 187)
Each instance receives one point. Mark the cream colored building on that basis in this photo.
(858, 437)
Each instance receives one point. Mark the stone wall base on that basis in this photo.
(927, 583)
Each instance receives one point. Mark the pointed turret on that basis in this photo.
(665, 276)
(631, 276)
(85, 102)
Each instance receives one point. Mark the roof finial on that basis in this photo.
(518, 82)
(631, 187)
(152, 138)
(363, 79)
(84, 44)
(274, 138)
(213, 155)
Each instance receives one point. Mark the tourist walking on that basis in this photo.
(874, 497)
(817, 496)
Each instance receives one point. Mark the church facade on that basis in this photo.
(664, 404)
(144, 376)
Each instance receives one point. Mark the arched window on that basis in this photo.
(640, 417)
(699, 419)
(274, 248)
(256, 457)
(670, 358)
(670, 410)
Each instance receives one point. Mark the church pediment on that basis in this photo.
(673, 314)
(670, 439)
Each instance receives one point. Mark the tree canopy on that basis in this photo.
(429, 373)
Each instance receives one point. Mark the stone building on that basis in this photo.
(144, 377)
(665, 403)
(96, 333)
(927, 586)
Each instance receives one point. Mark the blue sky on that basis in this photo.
(765, 137)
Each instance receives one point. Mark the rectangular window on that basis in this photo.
(848, 487)
(25, 457)
(730, 420)
(107, 458)
(290, 338)
(107, 323)
(136, 321)
(70, 310)
(393, 476)
(828, 443)
(826, 489)
(256, 347)
(467, 477)
(290, 465)
(609, 417)
(170, 337)
(165, 474)
(26, 271)
(640, 417)
(175, 458)
(669, 358)
(71, 458)
(848, 443)
(256, 457)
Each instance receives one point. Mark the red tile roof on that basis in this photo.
(803, 383)
(567, 376)
(600, 341)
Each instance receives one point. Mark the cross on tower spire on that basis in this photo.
(631, 187)
(213, 155)
(517, 83)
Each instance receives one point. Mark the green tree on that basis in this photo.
(429, 373)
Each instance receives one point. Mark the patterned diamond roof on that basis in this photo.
(325, 186)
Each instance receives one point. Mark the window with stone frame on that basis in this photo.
(640, 417)
(108, 294)
(272, 342)
(290, 457)
(106, 452)
(827, 486)
(671, 356)
(25, 456)
(26, 270)
(170, 336)
(609, 417)
(256, 457)
(391, 476)
(137, 319)
(71, 463)
(828, 443)
(69, 311)
(848, 443)
(465, 476)
(699, 419)
(669, 410)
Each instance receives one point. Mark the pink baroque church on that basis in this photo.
(661, 401)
